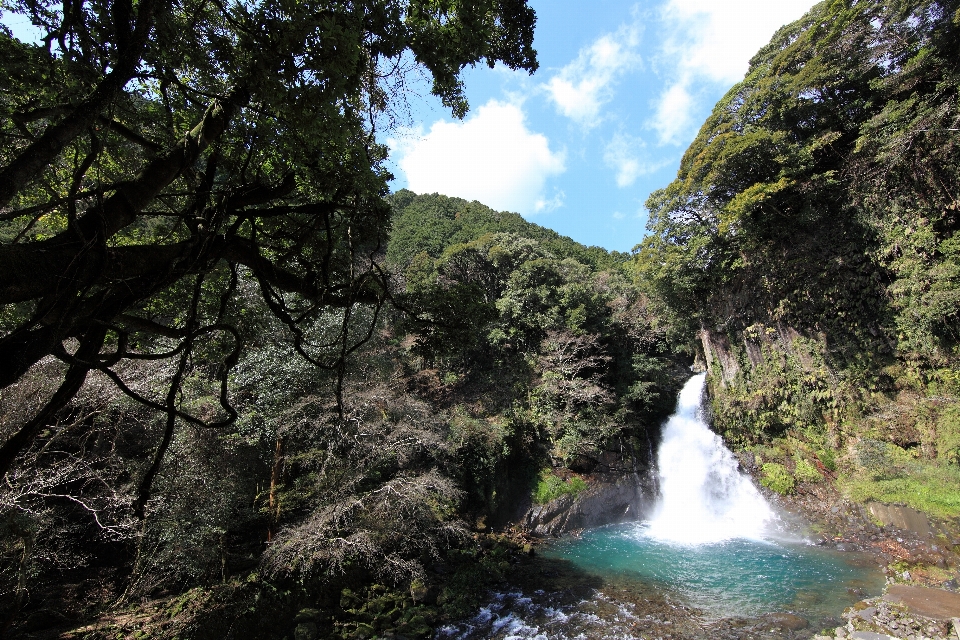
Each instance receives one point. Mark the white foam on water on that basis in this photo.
(514, 616)
(703, 496)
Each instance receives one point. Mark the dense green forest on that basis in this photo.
(448, 422)
(810, 240)
(241, 380)
(508, 360)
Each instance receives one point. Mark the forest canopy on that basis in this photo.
(157, 156)
(822, 192)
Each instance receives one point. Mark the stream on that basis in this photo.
(713, 559)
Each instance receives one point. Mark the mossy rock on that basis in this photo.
(417, 627)
(305, 631)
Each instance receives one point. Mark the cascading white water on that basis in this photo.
(703, 496)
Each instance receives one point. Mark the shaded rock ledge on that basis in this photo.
(608, 499)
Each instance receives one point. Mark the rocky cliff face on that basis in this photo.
(725, 359)
(608, 500)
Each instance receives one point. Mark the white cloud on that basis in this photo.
(626, 155)
(673, 116)
(722, 35)
(618, 216)
(544, 205)
(718, 39)
(582, 87)
(491, 157)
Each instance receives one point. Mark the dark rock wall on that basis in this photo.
(607, 500)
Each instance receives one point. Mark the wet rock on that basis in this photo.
(609, 501)
(865, 614)
(870, 635)
(785, 621)
(901, 517)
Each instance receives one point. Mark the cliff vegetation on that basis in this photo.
(810, 241)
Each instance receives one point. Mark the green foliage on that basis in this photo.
(498, 298)
(550, 487)
(179, 181)
(880, 460)
(820, 198)
(806, 472)
(368, 439)
(921, 484)
(829, 459)
(481, 447)
(948, 435)
(431, 223)
(163, 161)
(781, 384)
(755, 206)
(775, 476)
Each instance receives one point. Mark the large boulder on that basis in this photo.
(607, 500)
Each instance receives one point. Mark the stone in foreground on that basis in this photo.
(936, 604)
(869, 635)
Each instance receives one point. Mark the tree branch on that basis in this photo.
(38, 155)
(89, 349)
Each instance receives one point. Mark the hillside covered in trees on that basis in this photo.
(511, 364)
(810, 241)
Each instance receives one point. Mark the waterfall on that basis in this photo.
(703, 496)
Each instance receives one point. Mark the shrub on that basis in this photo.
(776, 477)
(551, 487)
(829, 458)
(881, 460)
(927, 486)
(948, 435)
(806, 472)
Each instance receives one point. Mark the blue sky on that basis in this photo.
(621, 92)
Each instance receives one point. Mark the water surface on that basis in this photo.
(733, 577)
